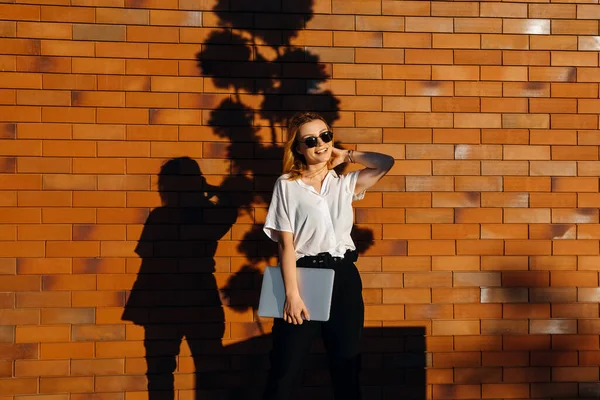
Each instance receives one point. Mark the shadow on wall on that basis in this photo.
(176, 294)
(176, 297)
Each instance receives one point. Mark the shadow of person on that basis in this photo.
(175, 295)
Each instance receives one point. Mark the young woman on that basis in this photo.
(310, 217)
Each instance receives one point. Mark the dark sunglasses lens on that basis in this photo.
(310, 142)
(326, 136)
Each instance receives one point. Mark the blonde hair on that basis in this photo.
(294, 163)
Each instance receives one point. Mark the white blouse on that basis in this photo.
(320, 222)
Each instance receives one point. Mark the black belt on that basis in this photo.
(326, 260)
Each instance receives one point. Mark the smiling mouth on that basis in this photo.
(321, 151)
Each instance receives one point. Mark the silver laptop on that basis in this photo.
(315, 286)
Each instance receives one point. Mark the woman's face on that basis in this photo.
(319, 154)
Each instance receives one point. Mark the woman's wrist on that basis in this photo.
(348, 157)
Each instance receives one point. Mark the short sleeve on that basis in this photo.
(351, 179)
(277, 216)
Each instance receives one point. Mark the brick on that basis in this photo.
(527, 26)
(123, 149)
(556, 168)
(429, 88)
(425, 120)
(72, 249)
(66, 350)
(456, 136)
(8, 28)
(475, 57)
(40, 131)
(406, 296)
(18, 386)
(453, 231)
(356, 7)
(64, 48)
(527, 184)
(538, 58)
(41, 98)
(14, 46)
(479, 247)
(41, 299)
(20, 114)
(430, 151)
(98, 32)
(122, 16)
(573, 27)
(176, 18)
(43, 30)
(455, 295)
(98, 367)
(422, 56)
(570, 90)
(505, 41)
(480, 311)
(176, 84)
(456, 200)
(481, 183)
(477, 215)
(478, 88)
(69, 182)
(69, 384)
(68, 114)
(69, 282)
(8, 232)
(69, 81)
(585, 43)
(44, 232)
(42, 334)
(569, 59)
(568, 184)
(401, 231)
(455, 327)
(379, 23)
(384, 312)
(553, 106)
(148, 34)
(98, 333)
(454, 104)
(553, 42)
(346, 71)
(67, 14)
(99, 199)
(423, 247)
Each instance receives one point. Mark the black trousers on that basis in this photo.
(341, 336)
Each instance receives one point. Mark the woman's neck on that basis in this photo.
(312, 175)
(314, 169)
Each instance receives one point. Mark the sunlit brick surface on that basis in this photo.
(480, 249)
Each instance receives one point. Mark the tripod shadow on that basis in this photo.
(175, 295)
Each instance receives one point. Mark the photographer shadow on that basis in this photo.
(175, 295)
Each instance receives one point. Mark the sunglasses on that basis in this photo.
(311, 141)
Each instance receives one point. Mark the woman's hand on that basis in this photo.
(338, 156)
(294, 310)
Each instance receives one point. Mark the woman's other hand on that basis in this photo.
(338, 156)
(294, 310)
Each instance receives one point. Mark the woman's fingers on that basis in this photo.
(305, 313)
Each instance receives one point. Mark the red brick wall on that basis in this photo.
(481, 246)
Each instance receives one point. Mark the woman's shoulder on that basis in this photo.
(284, 179)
